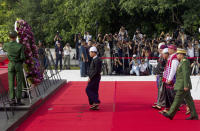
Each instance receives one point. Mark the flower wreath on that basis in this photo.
(31, 64)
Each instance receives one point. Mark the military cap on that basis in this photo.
(12, 34)
(181, 51)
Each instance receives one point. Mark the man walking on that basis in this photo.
(15, 53)
(94, 79)
(169, 78)
(182, 87)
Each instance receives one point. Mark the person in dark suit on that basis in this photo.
(94, 79)
(59, 55)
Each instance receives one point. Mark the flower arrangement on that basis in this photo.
(31, 65)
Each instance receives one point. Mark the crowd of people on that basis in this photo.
(125, 55)
(121, 53)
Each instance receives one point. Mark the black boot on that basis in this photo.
(193, 118)
(167, 116)
(19, 103)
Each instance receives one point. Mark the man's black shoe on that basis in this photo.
(167, 116)
(192, 118)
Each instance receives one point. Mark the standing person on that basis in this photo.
(107, 61)
(59, 55)
(94, 79)
(163, 50)
(87, 37)
(42, 59)
(90, 44)
(67, 51)
(16, 56)
(161, 99)
(190, 52)
(83, 58)
(169, 78)
(182, 87)
(77, 40)
(57, 38)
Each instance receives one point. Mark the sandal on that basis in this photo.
(163, 111)
(157, 107)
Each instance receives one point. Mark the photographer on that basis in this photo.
(59, 55)
(100, 46)
(57, 38)
(123, 34)
(42, 58)
(135, 66)
(77, 40)
(182, 37)
(67, 51)
(143, 68)
(190, 52)
(117, 66)
(137, 36)
(87, 37)
(107, 54)
(130, 48)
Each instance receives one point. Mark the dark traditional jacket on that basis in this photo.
(95, 68)
(160, 67)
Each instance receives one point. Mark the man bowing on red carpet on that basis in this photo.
(92, 89)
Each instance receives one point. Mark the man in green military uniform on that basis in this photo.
(15, 53)
(182, 87)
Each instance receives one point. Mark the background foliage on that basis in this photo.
(46, 17)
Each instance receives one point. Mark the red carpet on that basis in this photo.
(126, 106)
(4, 64)
(4, 77)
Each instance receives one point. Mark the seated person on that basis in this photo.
(195, 68)
(143, 67)
(135, 66)
(117, 66)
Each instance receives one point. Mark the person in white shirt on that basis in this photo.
(67, 51)
(135, 66)
(169, 76)
(143, 67)
(137, 36)
(87, 37)
(190, 52)
(107, 55)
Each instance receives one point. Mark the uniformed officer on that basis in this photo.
(94, 79)
(15, 53)
(182, 87)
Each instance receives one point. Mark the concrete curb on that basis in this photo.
(35, 106)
